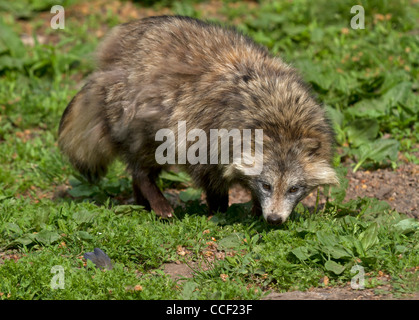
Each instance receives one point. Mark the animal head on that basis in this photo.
(289, 173)
(297, 150)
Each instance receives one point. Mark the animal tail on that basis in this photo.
(84, 135)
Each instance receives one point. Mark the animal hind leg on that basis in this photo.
(147, 193)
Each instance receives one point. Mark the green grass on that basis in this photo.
(295, 256)
(368, 82)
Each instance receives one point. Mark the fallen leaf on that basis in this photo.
(181, 251)
(224, 277)
(138, 288)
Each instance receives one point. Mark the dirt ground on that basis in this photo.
(400, 188)
(181, 271)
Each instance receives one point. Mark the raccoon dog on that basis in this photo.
(157, 72)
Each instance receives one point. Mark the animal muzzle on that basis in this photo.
(275, 219)
(276, 211)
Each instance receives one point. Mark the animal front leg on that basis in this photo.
(149, 195)
(257, 208)
(217, 201)
(138, 195)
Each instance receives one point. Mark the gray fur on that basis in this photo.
(155, 72)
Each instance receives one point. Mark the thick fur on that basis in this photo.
(155, 72)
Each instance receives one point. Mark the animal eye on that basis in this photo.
(293, 190)
(266, 186)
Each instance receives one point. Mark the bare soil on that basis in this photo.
(181, 271)
(400, 188)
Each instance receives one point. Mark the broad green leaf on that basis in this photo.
(62, 225)
(362, 131)
(339, 252)
(301, 253)
(337, 118)
(369, 237)
(335, 115)
(84, 235)
(27, 239)
(10, 226)
(377, 207)
(401, 249)
(127, 208)
(47, 236)
(83, 216)
(379, 107)
(334, 267)
(328, 240)
(188, 291)
(373, 84)
(406, 226)
(293, 29)
(190, 194)
(398, 94)
(10, 41)
(316, 74)
(338, 193)
(232, 241)
(177, 177)
(330, 245)
(84, 190)
(317, 35)
(377, 151)
(385, 148)
(112, 186)
(7, 62)
(359, 248)
(371, 108)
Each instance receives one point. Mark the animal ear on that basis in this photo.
(321, 173)
(328, 176)
(248, 166)
(311, 145)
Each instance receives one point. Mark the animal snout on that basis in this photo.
(274, 219)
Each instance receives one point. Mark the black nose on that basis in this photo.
(274, 219)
